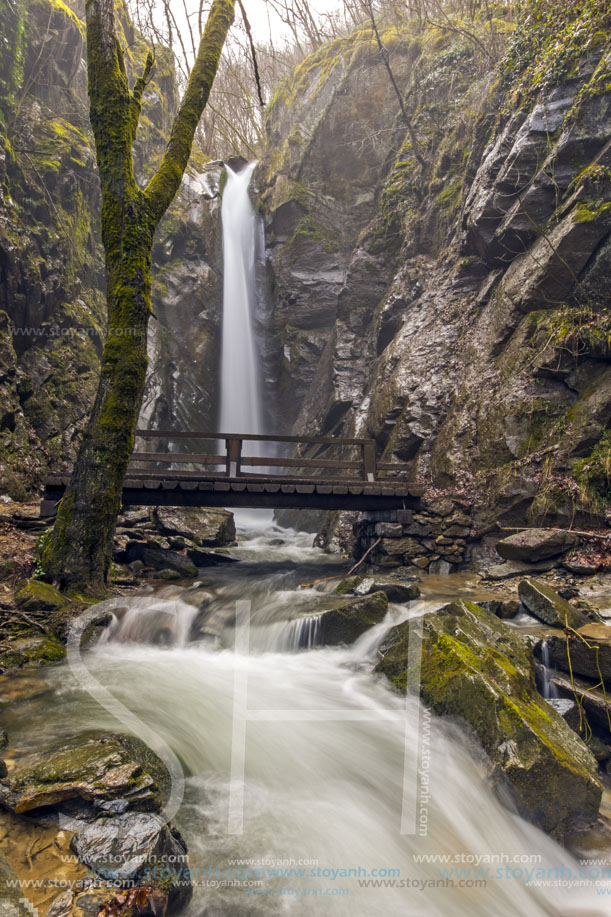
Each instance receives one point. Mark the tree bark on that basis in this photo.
(78, 553)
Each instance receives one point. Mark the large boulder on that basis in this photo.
(476, 669)
(208, 528)
(38, 596)
(536, 544)
(30, 647)
(137, 849)
(548, 606)
(158, 558)
(346, 621)
(92, 771)
(393, 590)
(588, 653)
(593, 700)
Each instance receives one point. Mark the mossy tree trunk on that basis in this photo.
(79, 551)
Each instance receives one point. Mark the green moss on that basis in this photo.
(37, 596)
(593, 474)
(62, 9)
(548, 45)
(12, 24)
(347, 586)
(593, 210)
(475, 668)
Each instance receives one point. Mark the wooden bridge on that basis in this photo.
(231, 480)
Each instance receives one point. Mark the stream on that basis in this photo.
(331, 756)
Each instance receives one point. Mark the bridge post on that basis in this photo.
(234, 454)
(369, 460)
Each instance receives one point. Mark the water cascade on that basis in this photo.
(241, 385)
(548, 688)
(331, 754)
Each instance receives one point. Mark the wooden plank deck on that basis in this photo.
(175, 489)
(230, 480)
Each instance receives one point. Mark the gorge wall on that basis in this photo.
(441, 286)
(451, 300)
(52, 283)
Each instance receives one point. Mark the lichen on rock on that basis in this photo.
(476, 670)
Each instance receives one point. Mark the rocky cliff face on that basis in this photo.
(185, 334)
(52, 304)
(455, 311)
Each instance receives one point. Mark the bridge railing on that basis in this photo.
(236, 464)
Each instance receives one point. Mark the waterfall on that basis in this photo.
(241, 389)
(241, 375)
(548, 688)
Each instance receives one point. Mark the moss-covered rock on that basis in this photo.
(394, 590)
(39, 596)
(160, 559)
(346, 621)
(30, 647)
(348, 585)
(475, 669)
(548, 606)
(93, 771)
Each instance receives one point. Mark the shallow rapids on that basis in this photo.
(350, 792)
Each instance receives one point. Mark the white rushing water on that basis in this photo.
(332, 758)
(242, 408)
(241, 395)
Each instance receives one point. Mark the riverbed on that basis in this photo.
(310, 787)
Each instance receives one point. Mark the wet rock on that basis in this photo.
(62, 906)
(589, 650)
(159, 558)
(206, 527)
(38, 596)
(30, 648)
(210, 623)
(581, 566)
(132, 518)
(515, 568)
(348, 585)
(545, 604)
(394, 591)
(209, 558)
(347, 621)
(476, 669)
(8, 569)
(599, 749)
(504, 609)
(139, 901)
(568, 710)
(198, 595)
(536, 544)
(168, 574)
(137, 848)
(12, 899)
(90, 771)
(596, 705)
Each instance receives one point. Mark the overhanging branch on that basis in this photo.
(166, 181)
